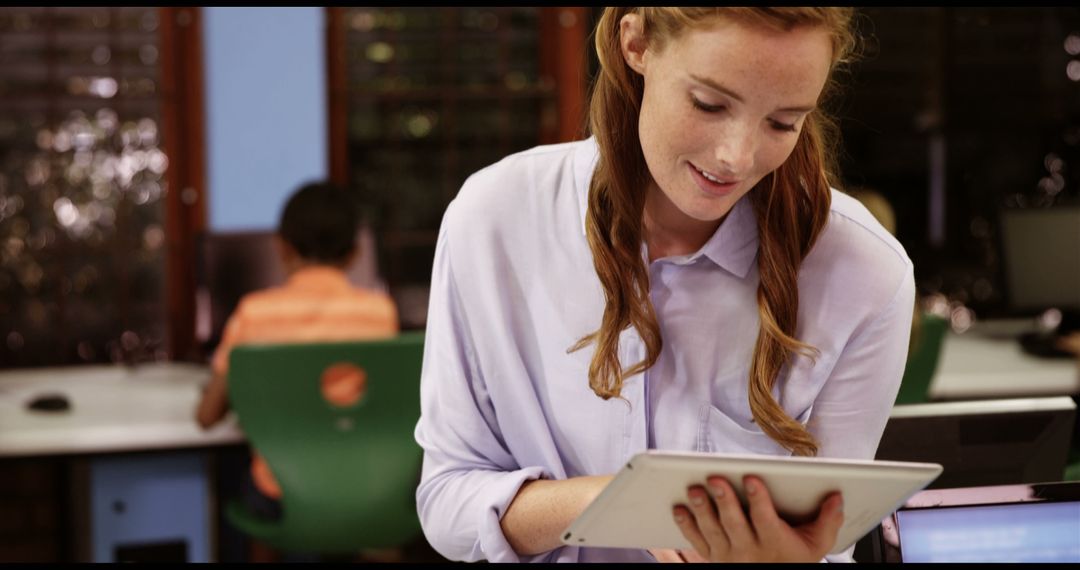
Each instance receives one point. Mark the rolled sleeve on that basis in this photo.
(469, 477)
(461, 511)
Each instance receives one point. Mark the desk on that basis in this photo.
(113, 409)
(986, 361)
(115, 412)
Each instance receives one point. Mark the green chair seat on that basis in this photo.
(348, 475)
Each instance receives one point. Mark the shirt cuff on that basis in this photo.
(493, 543)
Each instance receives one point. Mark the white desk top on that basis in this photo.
(987, 362)
(113, 408)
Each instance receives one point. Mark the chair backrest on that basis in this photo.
(348, 475)
(923, 360)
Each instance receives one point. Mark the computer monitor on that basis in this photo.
(234, 263)
(230, 265)
(1008, 523)
(984, 442)
(1041, 249)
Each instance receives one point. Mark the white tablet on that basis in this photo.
(634, 510)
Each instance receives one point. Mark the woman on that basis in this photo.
(684, 280)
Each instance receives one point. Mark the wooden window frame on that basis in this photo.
(184, 122)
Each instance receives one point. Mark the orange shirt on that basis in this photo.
(316, 304)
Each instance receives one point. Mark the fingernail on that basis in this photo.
(839, 505)
(697, 500)
(679, 518)
(751, 487)
(717, 488)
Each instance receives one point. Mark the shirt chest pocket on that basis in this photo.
(718, 433)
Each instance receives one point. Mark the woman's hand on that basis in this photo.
(720, 531)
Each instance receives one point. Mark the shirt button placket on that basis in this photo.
(634, 390)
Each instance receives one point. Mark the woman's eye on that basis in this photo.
(783, 127)
(706, 108)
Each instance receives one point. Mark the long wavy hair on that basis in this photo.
(791, 205)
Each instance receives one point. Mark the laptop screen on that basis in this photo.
(1004, 523)
(1020, 532)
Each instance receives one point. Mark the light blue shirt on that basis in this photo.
(513, 287)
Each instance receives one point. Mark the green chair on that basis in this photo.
(348, 475)
(923, 359)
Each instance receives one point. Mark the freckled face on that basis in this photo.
(723, 107)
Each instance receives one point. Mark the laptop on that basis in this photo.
(1037, 522)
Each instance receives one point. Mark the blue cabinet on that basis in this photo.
(153, 507)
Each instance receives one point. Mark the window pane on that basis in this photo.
(434, 94)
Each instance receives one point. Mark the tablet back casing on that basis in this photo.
(635, 509)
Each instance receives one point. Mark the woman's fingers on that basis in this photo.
(701, 505)
(822, 532)
(719, 529)
(762, 511)
(819, 535)
(685, 520)
(730, 511)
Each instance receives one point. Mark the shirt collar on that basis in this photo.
(733, 246)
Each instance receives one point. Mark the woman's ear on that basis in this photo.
(633, 42)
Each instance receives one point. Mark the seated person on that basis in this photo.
(317, 242)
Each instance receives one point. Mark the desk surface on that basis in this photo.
(987, 362)
(113, 408)
(152, 406)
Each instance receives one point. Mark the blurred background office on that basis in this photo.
(145, 154)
